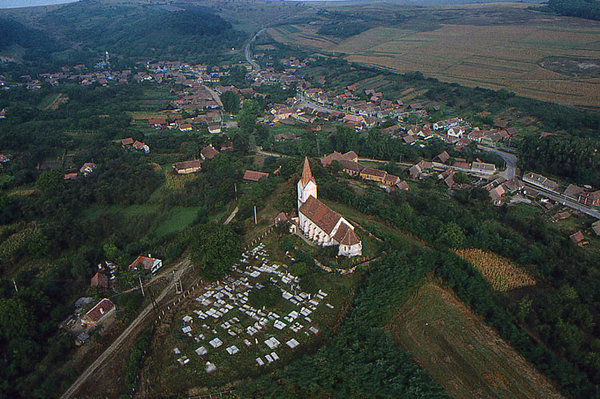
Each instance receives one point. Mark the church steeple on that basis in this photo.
(306, 173)
(307, 186)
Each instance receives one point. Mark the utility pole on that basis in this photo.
(255, 221)
(154, 304)
(141, 285)
(15, 284)
(235, 190)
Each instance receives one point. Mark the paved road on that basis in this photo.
(248, 53)
(565, 201)
(304, 102)
(180, 268)
(510, 159)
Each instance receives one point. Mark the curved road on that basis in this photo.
(248, 53)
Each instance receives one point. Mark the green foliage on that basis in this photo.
(216, 249)
(589, 9)
(247, 118)
(574, 158)
(268, 296)
(231, 102)
(136, 359)
(15, 319)
(452, 235)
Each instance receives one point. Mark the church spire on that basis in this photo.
(306, 173)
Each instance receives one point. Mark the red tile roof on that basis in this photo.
(345, 235)
(188, 164)
(208, 151)
(143, 261)
(127, 141)
(98, 311)
(253, 175)
(306, 173)
(320, 214)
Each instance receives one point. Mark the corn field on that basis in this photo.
(503, 274)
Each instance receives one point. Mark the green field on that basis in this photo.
(460, 352)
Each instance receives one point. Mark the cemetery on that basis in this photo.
(218, 335)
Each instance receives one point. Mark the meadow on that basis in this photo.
(460, 352)
(470, 46)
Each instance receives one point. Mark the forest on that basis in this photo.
(589, 9)
(129, 32)
(573, 158)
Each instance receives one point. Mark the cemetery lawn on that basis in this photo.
(163, 375)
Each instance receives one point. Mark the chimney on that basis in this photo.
(149, 255)
(101, 311)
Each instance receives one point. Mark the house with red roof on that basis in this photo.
(254, 176)
(146, 263)
(98, 313)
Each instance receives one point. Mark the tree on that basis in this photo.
(231, 102)
(247, 117)
(15, 318)
(267, 296)
(216, 249)
(50, 182)
(452, 235)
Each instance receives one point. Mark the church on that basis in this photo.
(322, 224)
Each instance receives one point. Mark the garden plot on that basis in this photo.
(223, 330)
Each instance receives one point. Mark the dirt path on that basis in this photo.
(134, 327)
(230, 218)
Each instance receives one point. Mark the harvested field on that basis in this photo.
(460, 352)
(502, 273)
(469, 52)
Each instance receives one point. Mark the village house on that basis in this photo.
(574, 191)
(98, 313)
(146, 263)
(578, 238)
(373, 174)
(590, 198)
(159, 122)
(320, 223)
(336, 156)
(127, 142)
(208, 152)
(281, 218)
(443, 157)
(596, 227)
(254, 176)
(187, 167)
(138, 145)
(496, 194)
(88, 168)
(70, 176)
(540, 181)
(100, 280)
(214, 128)
(186, 127)
(3, 113)
(416, 170)
(483, 168)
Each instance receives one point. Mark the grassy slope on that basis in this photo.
(459, 351)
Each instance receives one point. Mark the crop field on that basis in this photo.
(460, 352)
(469, 52)
(502, 273)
